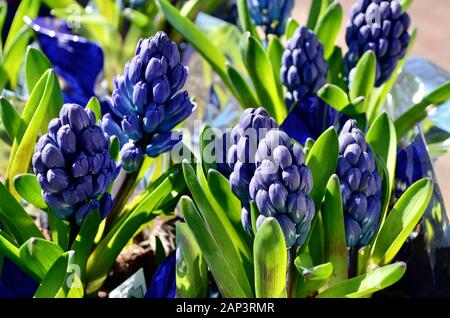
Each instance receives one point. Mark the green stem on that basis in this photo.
(126, 188)
(291, 275)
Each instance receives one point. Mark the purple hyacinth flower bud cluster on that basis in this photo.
(381, 27)
(360, 186)
(271, 15)
(148, 101)
(73, 165)
(244, 138)
(303, 68)
(281, 185)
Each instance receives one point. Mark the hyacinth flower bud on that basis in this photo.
(360, 186)
(148, 101)
(72, 164)
(381, 27)
(281, 184)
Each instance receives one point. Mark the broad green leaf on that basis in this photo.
(10, 118)
(39, 255)
(220, 188)
(60, 229)
(233, 245)
(196, 38)
(334, 228)
(328, 27)
(335, 69)
(62, 280)
(261, 72)
(275, 51)
(334, 96)
(316, 11)
(244, 18)
(13, 215)
(94, 105)
(254, 214)
(85, 240)
(3, 10)
(270, 258)
(29, 8)
(114, 148)
(322, 161)
(192, 269)
(47, 102)
(107, 250)
(226, 272)
(27, 186)
(13, 58)
(291, 26)
(382, 138)
(418, 112)
(363, 80)
(401, 221)
(366, 284)
(207, 146)
(241, 89)
(308, 146)
(310, 278)
(36, 63)
(9, 249)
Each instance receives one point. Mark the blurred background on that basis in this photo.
(432, 19)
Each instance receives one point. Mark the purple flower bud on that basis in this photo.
(131, 156)
(132, 127)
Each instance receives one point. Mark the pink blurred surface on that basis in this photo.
(432, 19)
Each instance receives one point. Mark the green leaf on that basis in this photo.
(94, 105)
(382, 138)
(334, 228)
(136, 17)
(241, 89)
(13, 215)
(291, 26)
(60, 229)
(366, 284)
(364, 77)
(310, 278)
(334, 96)
(13, 58)
(196, 38)
(270, 257)
(401, 221)
(316, 11)
(3, 11)
(107, 250)
(233, 245)
(27, 186)
(335, 68)
(114, 148)
(10, 250)
(228, 273)
(43, 105)
(85, 241)
(261, 72)
(29, 8)
(36, 63)
(275, 50)
(220, 188)
(419, 112)
(328, 27)
(322, 161)
(405, 4)
(39, 255)
(10, 118)
(244, 18)
(62, 280)
(192, 269)
(207, 146)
